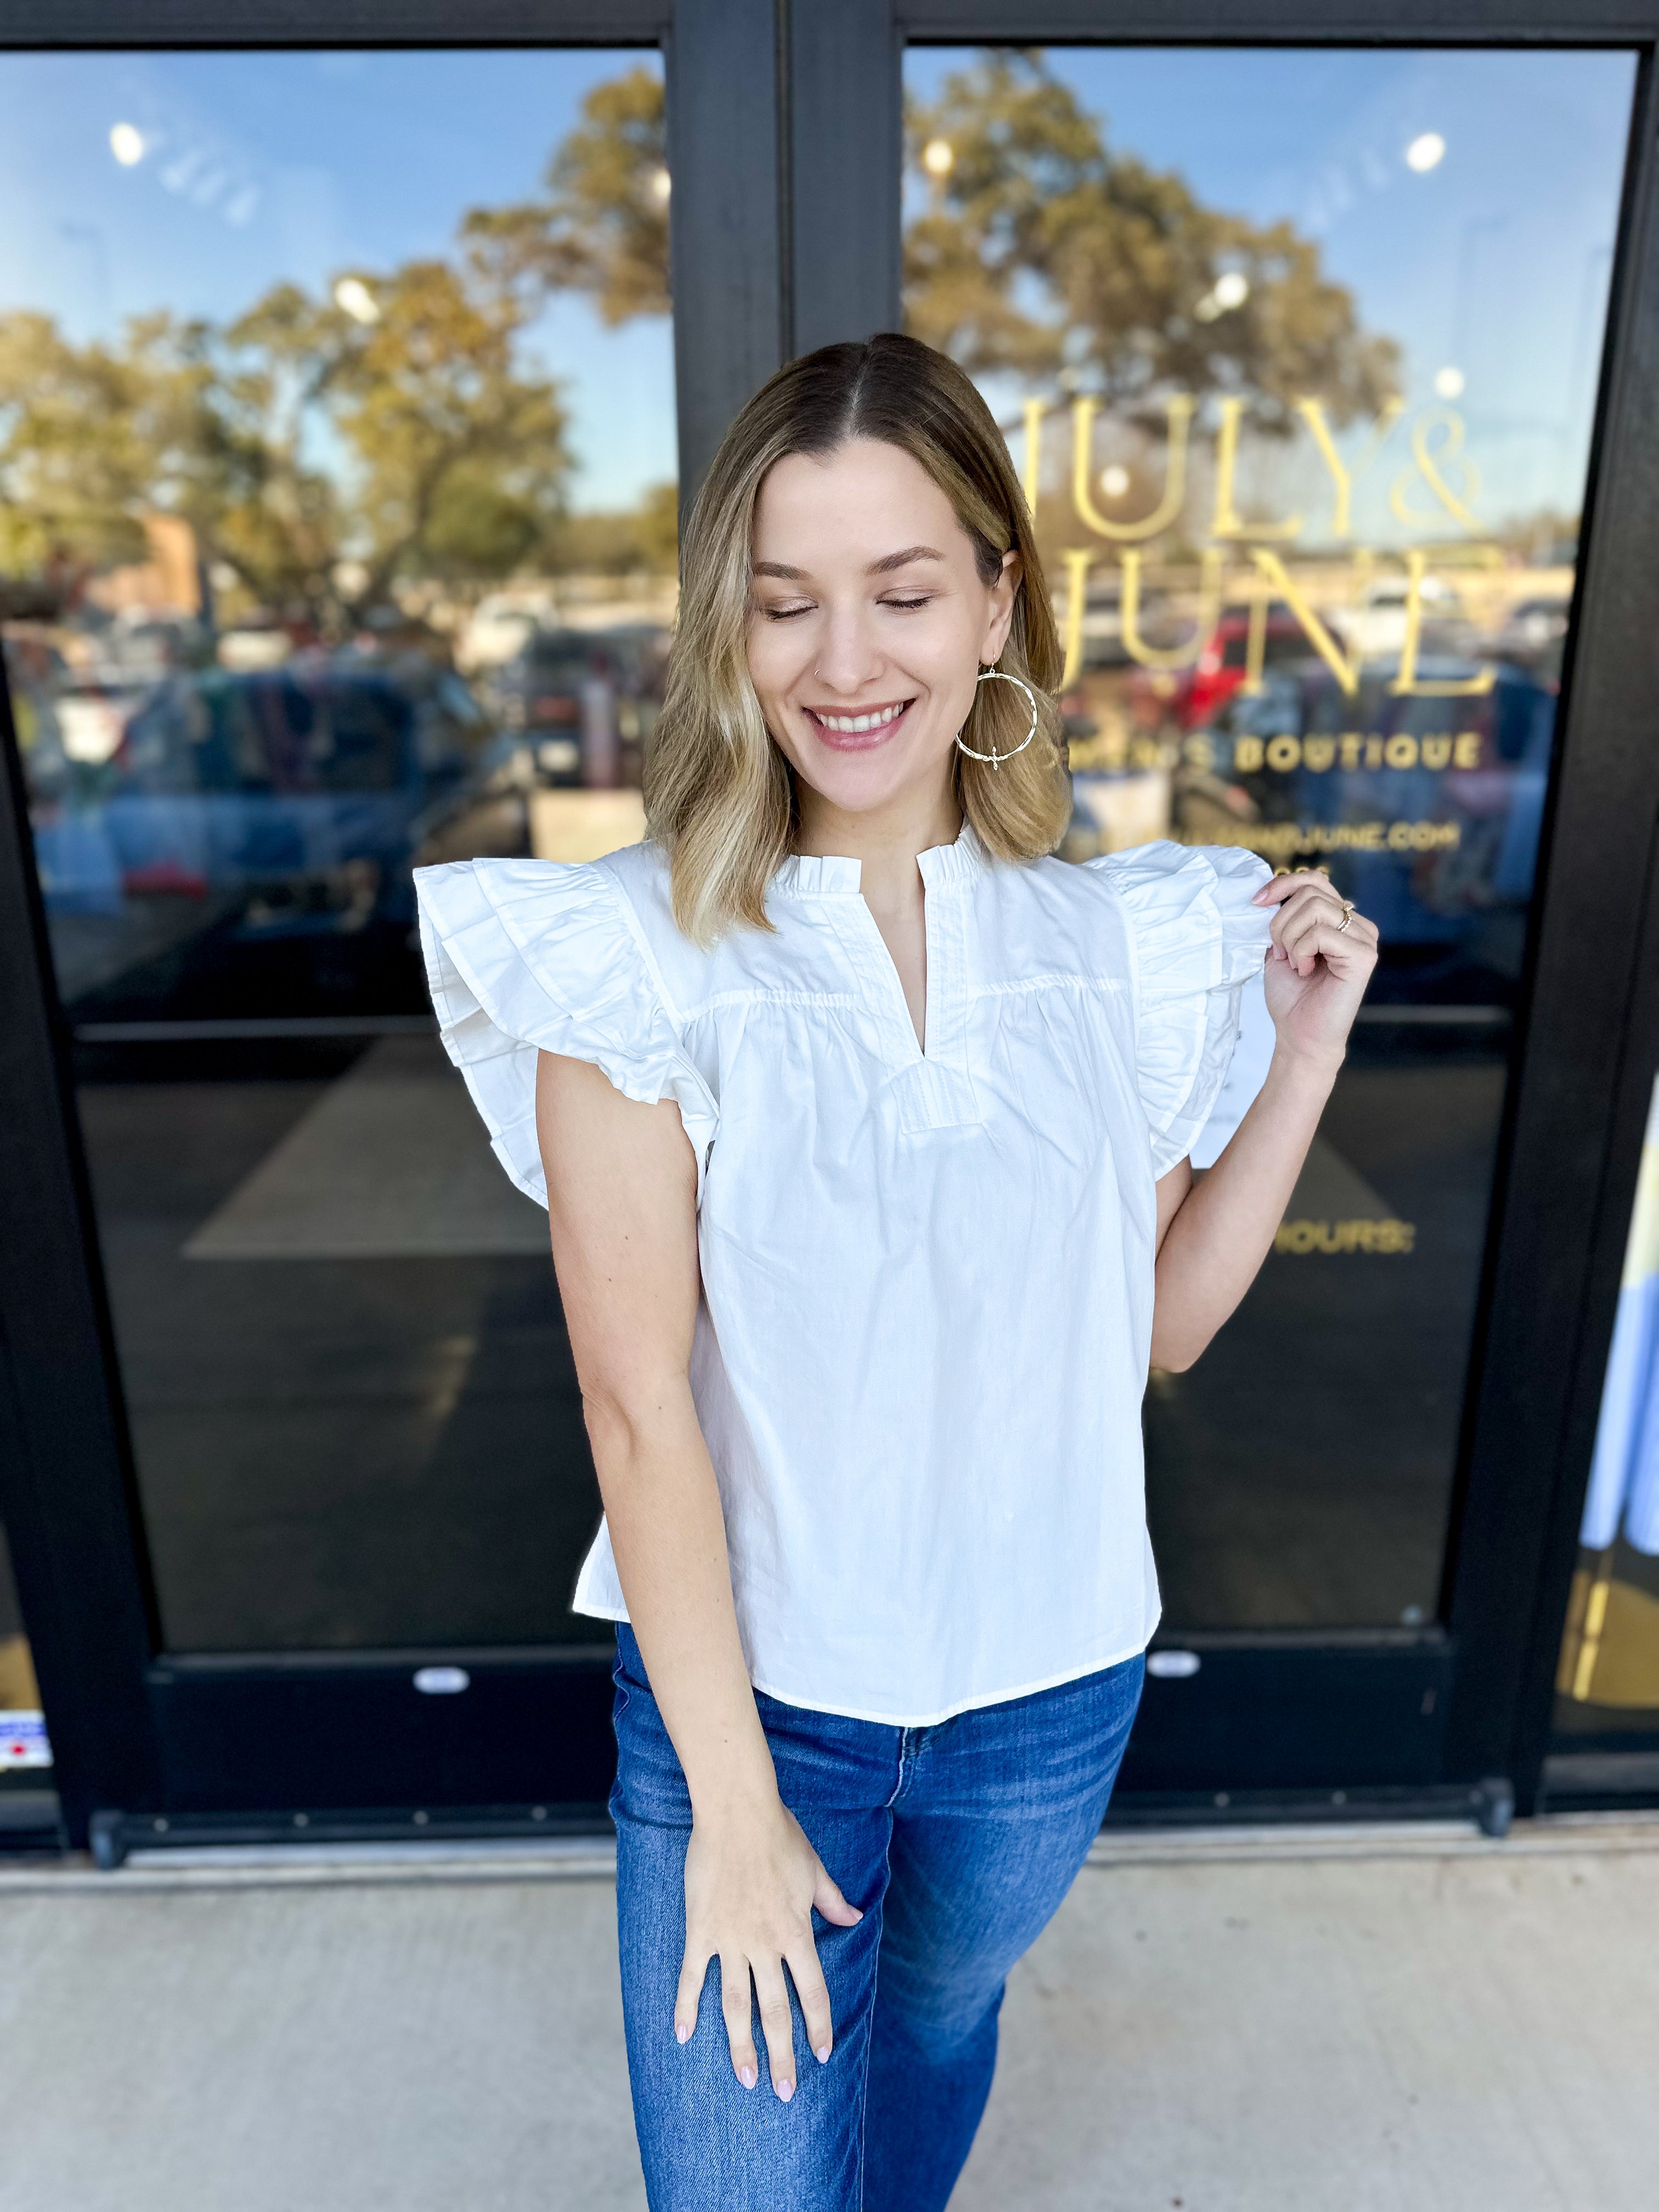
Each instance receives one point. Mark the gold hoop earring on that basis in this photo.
(996, 759)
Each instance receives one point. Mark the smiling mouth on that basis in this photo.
(850, 730)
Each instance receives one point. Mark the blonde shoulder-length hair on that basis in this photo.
(719, 796)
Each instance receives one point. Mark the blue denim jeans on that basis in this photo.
(958, 1842)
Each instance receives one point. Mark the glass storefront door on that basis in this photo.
(338, 458)
(1299, 351)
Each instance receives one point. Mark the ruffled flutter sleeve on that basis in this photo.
(529, 956)
(1196, 940)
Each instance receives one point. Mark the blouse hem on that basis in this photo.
(597, 1611)
(966, 1704)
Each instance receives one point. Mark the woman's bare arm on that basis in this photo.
(621, 1191)
(622, 1203)
(1215, 1231)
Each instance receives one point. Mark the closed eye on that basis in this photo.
(899, 605)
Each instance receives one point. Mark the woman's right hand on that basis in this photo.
(752, 1882)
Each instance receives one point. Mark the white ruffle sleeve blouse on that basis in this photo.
(926, 1274)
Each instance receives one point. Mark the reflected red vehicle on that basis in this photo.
(1191, 697)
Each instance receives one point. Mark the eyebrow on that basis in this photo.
(888, 563)
(904, 560)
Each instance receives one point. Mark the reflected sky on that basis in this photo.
(259, 167)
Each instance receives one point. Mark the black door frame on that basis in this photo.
(1587, 1045)
(785, 234)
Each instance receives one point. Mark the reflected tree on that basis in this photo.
(82, 439)
(457, 452)
(399, 423)
(1044, 250)
(248, 478)
(601, 226)
(318, 450)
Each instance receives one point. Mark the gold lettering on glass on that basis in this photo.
(1228, 522)
(1428, 463)
(1078, 562)
(1178, 414)
(1344, 477)
(1204, 626)
(1031, 474)
(1407, 684)
(1345, 668)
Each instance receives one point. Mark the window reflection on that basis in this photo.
(1296, 354)
(337, 534)
(330, 556)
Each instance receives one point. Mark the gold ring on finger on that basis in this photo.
(1347, 916)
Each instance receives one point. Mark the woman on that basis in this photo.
(863, 1125)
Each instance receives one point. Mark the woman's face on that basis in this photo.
(868, 622)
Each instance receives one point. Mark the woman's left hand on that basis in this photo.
(1317, 970)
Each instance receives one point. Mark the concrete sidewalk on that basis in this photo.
(1412, 2021)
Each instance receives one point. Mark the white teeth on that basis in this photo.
(849, 724)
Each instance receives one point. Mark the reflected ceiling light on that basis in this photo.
(126, 143)
(353, 297)
(661, 184)
(938, 157)
(1115, 480)
(1425, 153)
(1449, 382)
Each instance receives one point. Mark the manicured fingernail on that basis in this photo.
(682, 2032)
(748, 2076)
(823, 2054)
(786, 2090)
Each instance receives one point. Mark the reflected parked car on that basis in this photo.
(581, 704)
(1377, 627)
(500, 627)
(92, 718)
(308, 786)
(296, 795)
(137, 649)
(1189, 698)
